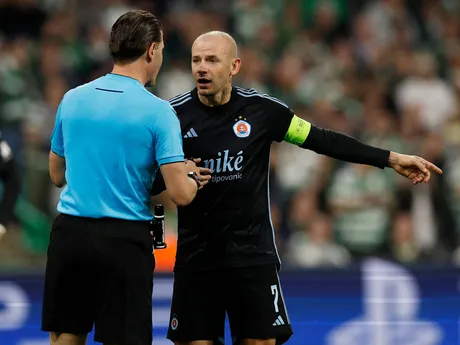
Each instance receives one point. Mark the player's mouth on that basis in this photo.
(203, 82)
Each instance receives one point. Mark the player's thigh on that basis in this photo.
(256, 307)
(68, 292)
(124, 285)
(198, 307)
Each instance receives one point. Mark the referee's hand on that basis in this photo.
(203, 173)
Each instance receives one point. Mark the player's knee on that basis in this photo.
(258, 342)
(67, 339)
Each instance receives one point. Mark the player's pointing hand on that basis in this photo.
(414, 168)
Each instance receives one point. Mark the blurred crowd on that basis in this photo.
(384, 71)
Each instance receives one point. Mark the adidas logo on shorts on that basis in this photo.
(279, 321)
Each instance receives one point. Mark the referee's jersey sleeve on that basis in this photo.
(168, 137)
(57, 140)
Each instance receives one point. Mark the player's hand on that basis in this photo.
(203, 173)
(414, 168)
(2, 232)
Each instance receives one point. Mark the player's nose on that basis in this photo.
(202, 69)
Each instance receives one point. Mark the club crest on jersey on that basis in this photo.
(241, 128)
(174, 323)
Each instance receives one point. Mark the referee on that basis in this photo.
(109, 138)
(227, 261)
(9, 182)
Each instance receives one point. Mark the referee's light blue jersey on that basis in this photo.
(113, 134)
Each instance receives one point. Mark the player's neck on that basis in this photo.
(220, 98)
(131, 71)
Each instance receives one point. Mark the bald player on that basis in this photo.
(227, 261)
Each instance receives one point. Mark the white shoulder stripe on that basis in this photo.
(181, 101)
(273, 99)
(179, 97)
(247, 91)
(254, 92)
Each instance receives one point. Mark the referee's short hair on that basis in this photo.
(132, 34)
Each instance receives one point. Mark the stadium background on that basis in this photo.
(368, 259)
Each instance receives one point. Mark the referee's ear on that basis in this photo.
(151, 52)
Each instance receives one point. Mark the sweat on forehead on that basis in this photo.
(227, 42)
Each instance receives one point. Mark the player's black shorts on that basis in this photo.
(100, 271)
(251, 296)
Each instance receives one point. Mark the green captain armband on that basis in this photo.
(298, 131)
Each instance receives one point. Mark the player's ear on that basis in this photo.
(236, 65)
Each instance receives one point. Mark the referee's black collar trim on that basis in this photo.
(233, 98)
(121, 76)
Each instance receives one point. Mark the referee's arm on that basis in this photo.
(56, 156)
(170, 157)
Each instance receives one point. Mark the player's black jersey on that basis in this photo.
(229, 221)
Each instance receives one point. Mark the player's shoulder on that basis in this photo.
(254, 96)
(182, 100)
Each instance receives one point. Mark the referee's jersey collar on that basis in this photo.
(122, 78)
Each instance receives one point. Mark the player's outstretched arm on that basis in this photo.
(343, 147)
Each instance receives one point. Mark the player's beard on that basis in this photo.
(216, 97)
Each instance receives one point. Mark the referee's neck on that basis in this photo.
(133, 71)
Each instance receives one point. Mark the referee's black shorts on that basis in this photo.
(100, 272)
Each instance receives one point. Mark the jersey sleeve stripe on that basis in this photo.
(263, 96)
(180, 102)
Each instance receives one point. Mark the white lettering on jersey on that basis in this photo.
(225, 163)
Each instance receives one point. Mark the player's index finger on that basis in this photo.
(423, 168)
(433, 167)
